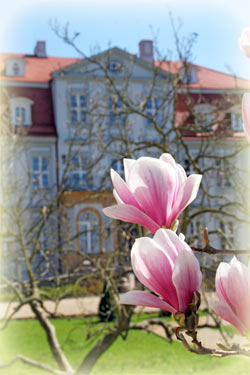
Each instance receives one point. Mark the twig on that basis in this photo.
(31, 362)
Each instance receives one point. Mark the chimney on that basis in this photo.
(146, 50)
(40, 49)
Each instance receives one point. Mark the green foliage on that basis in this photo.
(141, 353)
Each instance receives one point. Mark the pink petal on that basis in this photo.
(131, 214)
(170, 242)
(167, 158)
(128, 164)
(153, 184)
(220, 281)
(244, 41)
(122, 189)
(186, 277)
(226, 313)
(246, 115)
(237, 289)
(153, 267)
(136, 297)
(186, 195)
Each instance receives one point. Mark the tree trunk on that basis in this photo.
(58, 354)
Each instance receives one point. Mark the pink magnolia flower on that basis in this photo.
(154, 193)
(246, 115)
(167, 266)
(244, 41)
(233, 290)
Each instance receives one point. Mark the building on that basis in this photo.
(70, 120)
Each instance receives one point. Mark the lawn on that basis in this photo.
(141, 353)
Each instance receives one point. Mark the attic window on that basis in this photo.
(114, 66)
(15, 67)
(188, 75)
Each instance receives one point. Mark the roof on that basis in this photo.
(37, 69)
(40, 69)
(207, 78)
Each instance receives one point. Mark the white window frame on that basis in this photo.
(79, 108)
(152, 109)
(236, 118)
(81, 161)
(37, 181)
(86, 227)
(23, 104)
(228, 230)
(196, 229)
(11, 62)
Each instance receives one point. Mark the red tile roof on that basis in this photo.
(36, 69)
(207, 78)
(40, 69)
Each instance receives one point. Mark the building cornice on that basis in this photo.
(36, 85)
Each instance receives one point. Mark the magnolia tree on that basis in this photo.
(153, 200)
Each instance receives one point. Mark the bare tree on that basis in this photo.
(38, 232)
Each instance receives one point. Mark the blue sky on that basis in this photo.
(124, 23)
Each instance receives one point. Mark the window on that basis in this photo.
(196, 232)
(78, 109)
(114, 66)
(236, 119)
(223, 173)
(153, 107)
(89, 228)
(40, 172)
(78, 176)
(188, 75)
(115, 108)
(204, 117)
(21, 111)
(227, 237)
(15, 67)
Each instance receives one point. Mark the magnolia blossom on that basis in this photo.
(233, 290)
(167, 266)
(154, 193)
(246, 115)
(244, 41)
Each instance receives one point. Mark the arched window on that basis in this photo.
(21, 111)
(89, 227)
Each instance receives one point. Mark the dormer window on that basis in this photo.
(188, 75)
(114, 66)
(20, 109)
(15, 67)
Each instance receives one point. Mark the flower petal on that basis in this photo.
(237, 289)
(170, 242)
(244, 41)
(186, 195)
(137, 297)
(131, 214)
(226, 313)
(128, 164)
(246, 115)
(153, 184)
(186, 277)
(153, 267)
(122, 189)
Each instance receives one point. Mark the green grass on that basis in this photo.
(141, 353)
